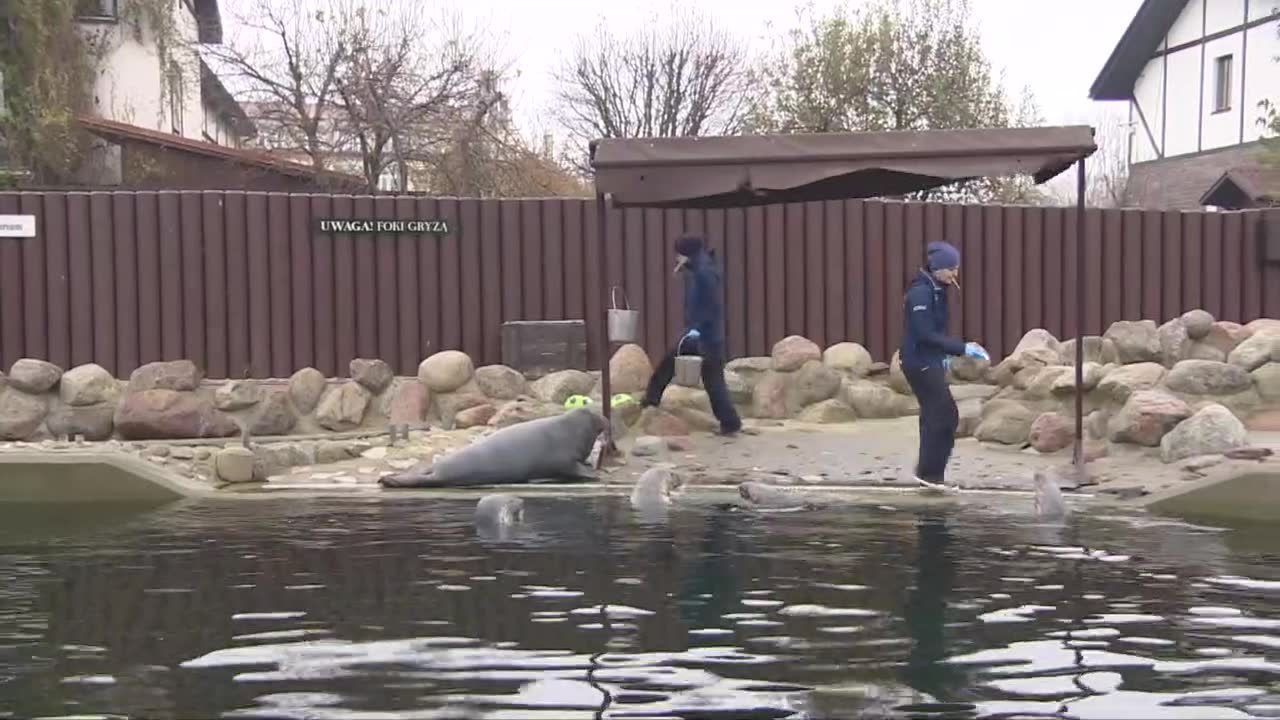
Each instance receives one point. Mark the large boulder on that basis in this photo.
(521, 410)
(180, 375)
(871, 400)
(1226, 336)
(1122, 382)
(1204, 377)
(661, 423)
(34, 377)
(1146, 417)
(1257, 350)
(828, 412)
(1036, 339)
(1051, 432)
(410, 401)
(1092, 373)
(20, 413)
(475, 416)
(1211, 431)
(793, 351)
(1026, 364)
(503, 383)
(1175, 342)
(170, 415)
(739, 389)
(679, 397)
(373, 374)
(1044, 381)
(449, 405)
(629, 369)
(1264, 325)
(962, 392)
(1136, 341)
(306, 387)
(1097, 349)
(94, 422)
(1198, 323)
(1267, 380)
(967, 369)
(237, 395)
(342, 409)
(897, 378)
(1005, 422)
(559, 386)
(772, 397)
(273, 415)
(815, 382)
(447, 371)
(1201, 350)
(970, 416)
(88, 385)
(849, 358)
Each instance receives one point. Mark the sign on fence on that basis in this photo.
(364, 227)
(18, 226)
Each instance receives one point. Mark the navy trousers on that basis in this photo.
(939, 418)
(712, 381)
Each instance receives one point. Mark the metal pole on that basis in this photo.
(606, 347)
(1080, 260)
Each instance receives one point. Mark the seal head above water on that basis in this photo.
(1049, 502)
(500, 509)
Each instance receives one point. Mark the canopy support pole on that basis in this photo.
(1080, 319)
(607, 447)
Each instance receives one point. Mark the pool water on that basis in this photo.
(400, 608)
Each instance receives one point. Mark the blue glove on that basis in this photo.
(974, 350)
(692, 335)
(946, 363)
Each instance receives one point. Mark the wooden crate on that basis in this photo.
(538, 347)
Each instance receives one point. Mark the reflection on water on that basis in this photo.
(399, 609)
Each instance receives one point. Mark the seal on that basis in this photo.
(550, 448)
(1050, 504)
(657, 487)
(500, 509)
(773, 498)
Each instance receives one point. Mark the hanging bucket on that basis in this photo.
(624, 323)
(688, 368)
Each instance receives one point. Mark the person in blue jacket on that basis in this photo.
(704, 333)
(925, 357)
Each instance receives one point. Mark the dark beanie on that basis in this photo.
(689, 245)
(943, 256)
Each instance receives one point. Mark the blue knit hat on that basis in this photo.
(943, 256)
(689, 245)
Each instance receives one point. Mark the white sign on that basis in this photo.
(19, 226)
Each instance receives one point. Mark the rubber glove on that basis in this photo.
(974, 350)
(946, 363)
(693, 334)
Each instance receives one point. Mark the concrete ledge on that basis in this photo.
(80, 476)
(1245, 491)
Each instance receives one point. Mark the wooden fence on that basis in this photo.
(242, 282)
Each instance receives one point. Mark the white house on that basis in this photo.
(1193, 73)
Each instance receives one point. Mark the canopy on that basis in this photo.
(745, 170)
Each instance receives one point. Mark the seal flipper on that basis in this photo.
(407, 480)
(586, 473)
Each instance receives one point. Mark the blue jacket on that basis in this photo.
(925, 343)
(703, 306)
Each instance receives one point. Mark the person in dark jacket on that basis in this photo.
(703, 335)
(925, 357)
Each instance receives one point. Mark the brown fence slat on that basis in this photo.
(234, 214)
(125, 234)
(1094, 274)
(1170, 284)
(836, 295)
(301, 281)
(1033, 269)
(1251, 307)
(875, 297)
(260, 310)
(1213, 251)
(973, 285)
(193, 317)
(673, 285)
(953, 222)
(531, 253)
(512, 261)
(656, 288)
(344, 282)
(282, 338)
(1013, 268)
(553, 256)
(409, 317)
(469, 232)
(58, 280)
(814, 279)
(12, 334)
(104, 282)
(387, 318)
(1131, 257)
(1232, 259)
(794, 268)
(855, 260)
(1152, 266)
(895, 274)
(1192, 260)
(735, 278)
(35, 329)
(324, 291)
(216, 288)
(365, 253)
(80, 259)
(1271, 274)
(755, 285)
(491, 285)
(1071, 269)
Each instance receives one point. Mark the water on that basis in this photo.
(397, 609)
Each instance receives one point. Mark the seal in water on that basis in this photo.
(656, 488)
(772, 497)
(1050, 504)
(500, 509)
(551, 448)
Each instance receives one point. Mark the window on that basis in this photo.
(175, 98)
(1222, 83)
(96, 9)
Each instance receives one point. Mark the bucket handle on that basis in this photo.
(613, 295)
(680, 345)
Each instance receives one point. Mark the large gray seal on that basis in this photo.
(772, 498)
(550, 448)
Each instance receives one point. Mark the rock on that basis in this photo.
(1136, 341)
(306, 387)
(34, 377)
(1096, 350)
(679, 397)
(960, 393)
(1027, 363)
(178, 375)
(1249, 453)
(828, 412)
(1264, 325)
(500, 382)
(409, 403)
(1146, 417)
(559, 386)
(1205, 351)
(898, 379)
(1213, 430)
(342, 409)
(967, 369)
(372, 374)
(447, 371)
(749, 367)
(1095, 424)
(521, 410)
(648, 446)
(236, 395)
(1046, 380)
(1226, 336)
(1065, 384)
(1005, 422)
(848, 358)
(475, 416)
(202, 454)
(332, 451)
(1267, 380)
(1198, 323)
(94, 422)
(659, 422)
(449, 405)
(1051, 432)
(1204, 377)
(274, 415)
(772, 398)
(234, 464)
(791, 352)
(1264, 421)
(170, 415)
(182, 452)
(1201, 462)
(739, 389)
(1255, 351)
(677, 443)
(20, 413)
(1121, 383)
(629, 369)
(813, 383)
(697, 420)
(1175, 342)
(1039, 338)
(878, 368)
(871, 400)
(970, 416)
(88, 385)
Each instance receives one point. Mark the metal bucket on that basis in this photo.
(624, 323)
(688, 368)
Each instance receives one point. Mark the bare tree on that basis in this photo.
(686, 79)
(1106, 171)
